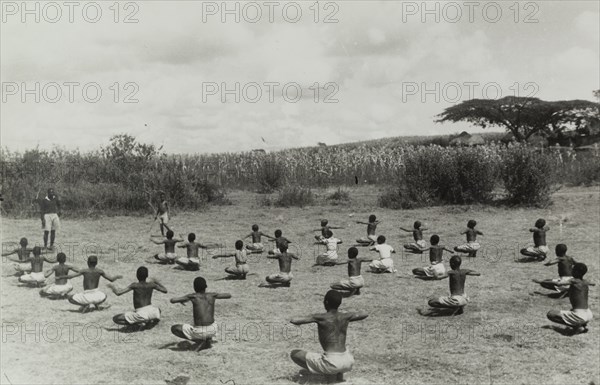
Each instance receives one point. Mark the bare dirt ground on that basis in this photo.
(503, 336)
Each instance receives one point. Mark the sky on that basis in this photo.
(201, 77)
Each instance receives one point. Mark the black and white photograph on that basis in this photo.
(300, 192)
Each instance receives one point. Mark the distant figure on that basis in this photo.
(50, 211)
(324, 228)
(332, 326)
(371, 230)
(385, 263)
(539, 251)
(565, 270)
(472, 245)
(257, 245)
(580, 315)
(419, 245)
(61, 286)
(169, 255)
(144, 314)
(162, 212)
(355, 281)
(436, 269)
(241, 261)
(330, 256)
(91, 297)
(457, 299)
(280, 241)
(204, 328)
(321, 144)
(191, 262)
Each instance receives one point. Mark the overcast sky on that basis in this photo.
(377, 63)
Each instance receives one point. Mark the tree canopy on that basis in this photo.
(525, 116)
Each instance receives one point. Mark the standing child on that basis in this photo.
(203, 303)
(61, 286)
(257, 245)
(329, 257)
(241, 261)
(163, 214)
(565, 270)
(385, 263)
(371, 230)
(419, 245)
(457, 299)
(472, 245)
(355, 281)
(91, 295)
(169, 256)
(580, 314)
(144, 314)
(539, 251)
(436, 269)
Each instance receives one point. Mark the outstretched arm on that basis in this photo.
(49, 272)
(223, 296)
(471, 272)
(157, 242)
(50, 260)
(358, 316)
(158, 286)
(294, 256)
(9, 253)
(448, 250)
(79, 273)
(403, 229)
(111, 278)
(223, 255)
(119, 292)
(553, 262)
(303, 320)
(181, 300)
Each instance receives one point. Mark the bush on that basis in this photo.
(528, 175)
(270, 175)
(339, 196)
(396, 199)
(294, 196)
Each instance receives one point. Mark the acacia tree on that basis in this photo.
(524, 116)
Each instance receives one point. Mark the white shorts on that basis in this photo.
(199, 332)
(238, 269)
(23, 267)
(562, 279)
(55, 289)
(255, 247)
(351, 283)
(330, 256)
(51, 222)
(541, 250)
(143, 314)
(187, 261)
(577, 317)
(435, 271)
(164, 218)
(421, 244)
(470, 246)
(280, 277)
(90, 297)
(329, 363)
(33, 278)
(385, 264)
(167, 256)
(450, 301)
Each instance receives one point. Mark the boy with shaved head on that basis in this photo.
(332, 327)
(61, 286)
(457, 299)
(144, 314)
(204, 328)
(241, 268)
(257, 246)
(436, 269)
(419, 245)
(36, 276)
(22, 266)
(539, 251)
(91, 297)
(580, 314)
(565, 270)
(472, 245)
(284, 277)
(355, 281)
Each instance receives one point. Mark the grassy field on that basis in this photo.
(503, 336)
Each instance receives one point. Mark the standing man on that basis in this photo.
(49, 211)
